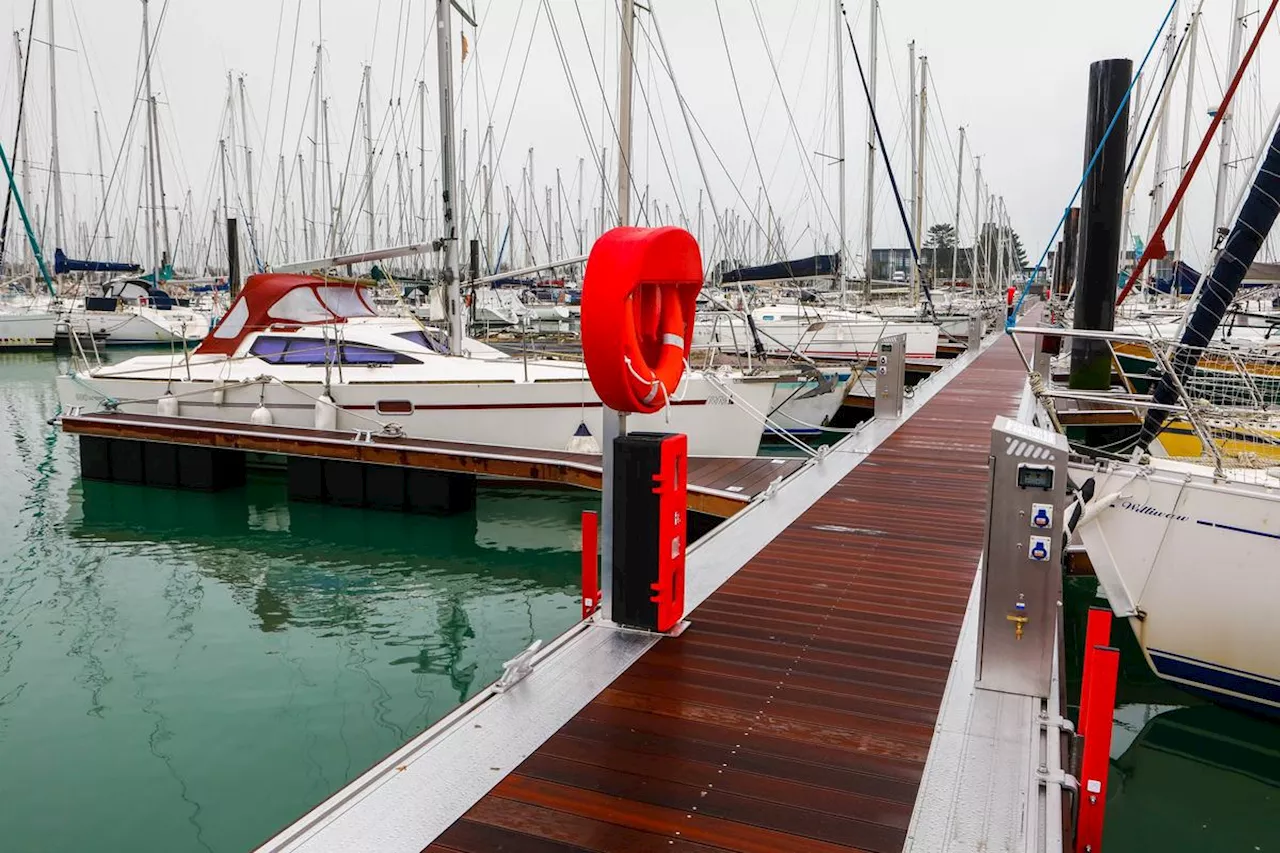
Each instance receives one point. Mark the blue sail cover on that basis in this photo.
(1251, 228)
(814, 267)
(1185, 277)
(63, 265)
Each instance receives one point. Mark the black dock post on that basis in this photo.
(1101, 211)
(233, 258)
(475, 260)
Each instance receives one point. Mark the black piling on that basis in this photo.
(1101, 211)
(233, 258)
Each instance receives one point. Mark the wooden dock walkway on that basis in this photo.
(718, 486)
(796, 712)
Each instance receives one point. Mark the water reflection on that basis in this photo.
(1198, 778)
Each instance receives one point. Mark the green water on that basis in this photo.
(1186, 776)
(190, 672)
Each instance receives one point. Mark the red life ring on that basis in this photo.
(639, 297)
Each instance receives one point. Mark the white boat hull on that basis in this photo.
(139, 326)
(1193, 564)
(35, 330)
(539, 415)
(796, 410)
(782, 334)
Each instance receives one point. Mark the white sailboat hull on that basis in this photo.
(538, 415)
(139, 326)
(796, 410)
(27, 330)
(816, 336)
(1194, 564)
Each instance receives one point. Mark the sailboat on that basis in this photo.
(303, 351)
(1187, 550)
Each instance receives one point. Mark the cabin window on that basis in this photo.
(344, 301)
(394, 407)
(233, 323)
(300, 305)
(424, 339)
(291, 350)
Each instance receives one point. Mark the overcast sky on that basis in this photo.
(1013, 72)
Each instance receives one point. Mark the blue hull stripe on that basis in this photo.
(1238, 529)
(1253, 686)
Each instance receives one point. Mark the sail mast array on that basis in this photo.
(356, 187)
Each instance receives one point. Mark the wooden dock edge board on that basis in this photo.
(386, 451)
(402, 806)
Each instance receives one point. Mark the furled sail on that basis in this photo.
(63, 265)
(813, 267)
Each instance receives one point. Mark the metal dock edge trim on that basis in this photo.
(401, 805)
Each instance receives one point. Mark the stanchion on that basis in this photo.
(590, 569)
(1097, 749)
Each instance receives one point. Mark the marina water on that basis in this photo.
(190, 672)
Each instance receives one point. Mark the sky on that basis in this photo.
(758, 83)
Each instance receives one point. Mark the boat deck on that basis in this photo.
(719, 486)
(797, 711)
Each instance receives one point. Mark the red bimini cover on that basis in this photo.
(283, 299)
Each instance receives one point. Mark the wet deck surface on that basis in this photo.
(796, 713)
(718, 486)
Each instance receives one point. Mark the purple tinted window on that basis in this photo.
(269, 349)
(358, 354)
(308, 351)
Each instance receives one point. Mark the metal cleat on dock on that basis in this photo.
(514, 670)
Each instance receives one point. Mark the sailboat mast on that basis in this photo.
(422, 149)
(870, 197)
(55, 166)
(102, 178)
(955, 249)
(368, 160)
(1224, 133)
(248, 171)
(920, 173)
(977, 220)
(1193, 38)
(1160, 173)
(840, 141)
(913, 113)
(582, 162)
(448, 178)
(153, 237)
(312, 249)
(161, 205)
(626, 70)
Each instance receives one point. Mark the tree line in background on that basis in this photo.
(940, 244)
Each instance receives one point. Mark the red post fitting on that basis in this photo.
(1097, 633)
(590, 569)
(1097, 749)
(673, 500)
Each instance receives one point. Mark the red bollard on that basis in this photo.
(1097, 633)
(590, 569)
(1097, 749)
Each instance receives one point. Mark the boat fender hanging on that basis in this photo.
(639, 297)
(326, 413)
(167, 405)
(261, 416)
(219, 391)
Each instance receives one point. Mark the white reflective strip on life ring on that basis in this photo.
(669, 340)
(653, 392)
